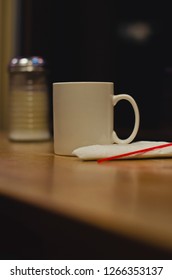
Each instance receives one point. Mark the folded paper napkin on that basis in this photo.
(140, 149)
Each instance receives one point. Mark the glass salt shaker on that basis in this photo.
(28, 100)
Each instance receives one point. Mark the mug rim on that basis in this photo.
(77, 83)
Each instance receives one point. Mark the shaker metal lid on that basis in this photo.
(27, 64)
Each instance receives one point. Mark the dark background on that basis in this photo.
(88, 41)
(30, 233)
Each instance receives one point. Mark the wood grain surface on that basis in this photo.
(128, 197)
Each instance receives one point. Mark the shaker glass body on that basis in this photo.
(28, 105)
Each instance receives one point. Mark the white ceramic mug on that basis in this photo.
(83, 114)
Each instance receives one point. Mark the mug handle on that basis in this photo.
(130, 99)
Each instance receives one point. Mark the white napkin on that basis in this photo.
(96, 152)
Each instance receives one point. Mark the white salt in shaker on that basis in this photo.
(28, 100)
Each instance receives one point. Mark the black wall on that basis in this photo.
(127, 42)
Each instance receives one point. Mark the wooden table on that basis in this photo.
(73, 209)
